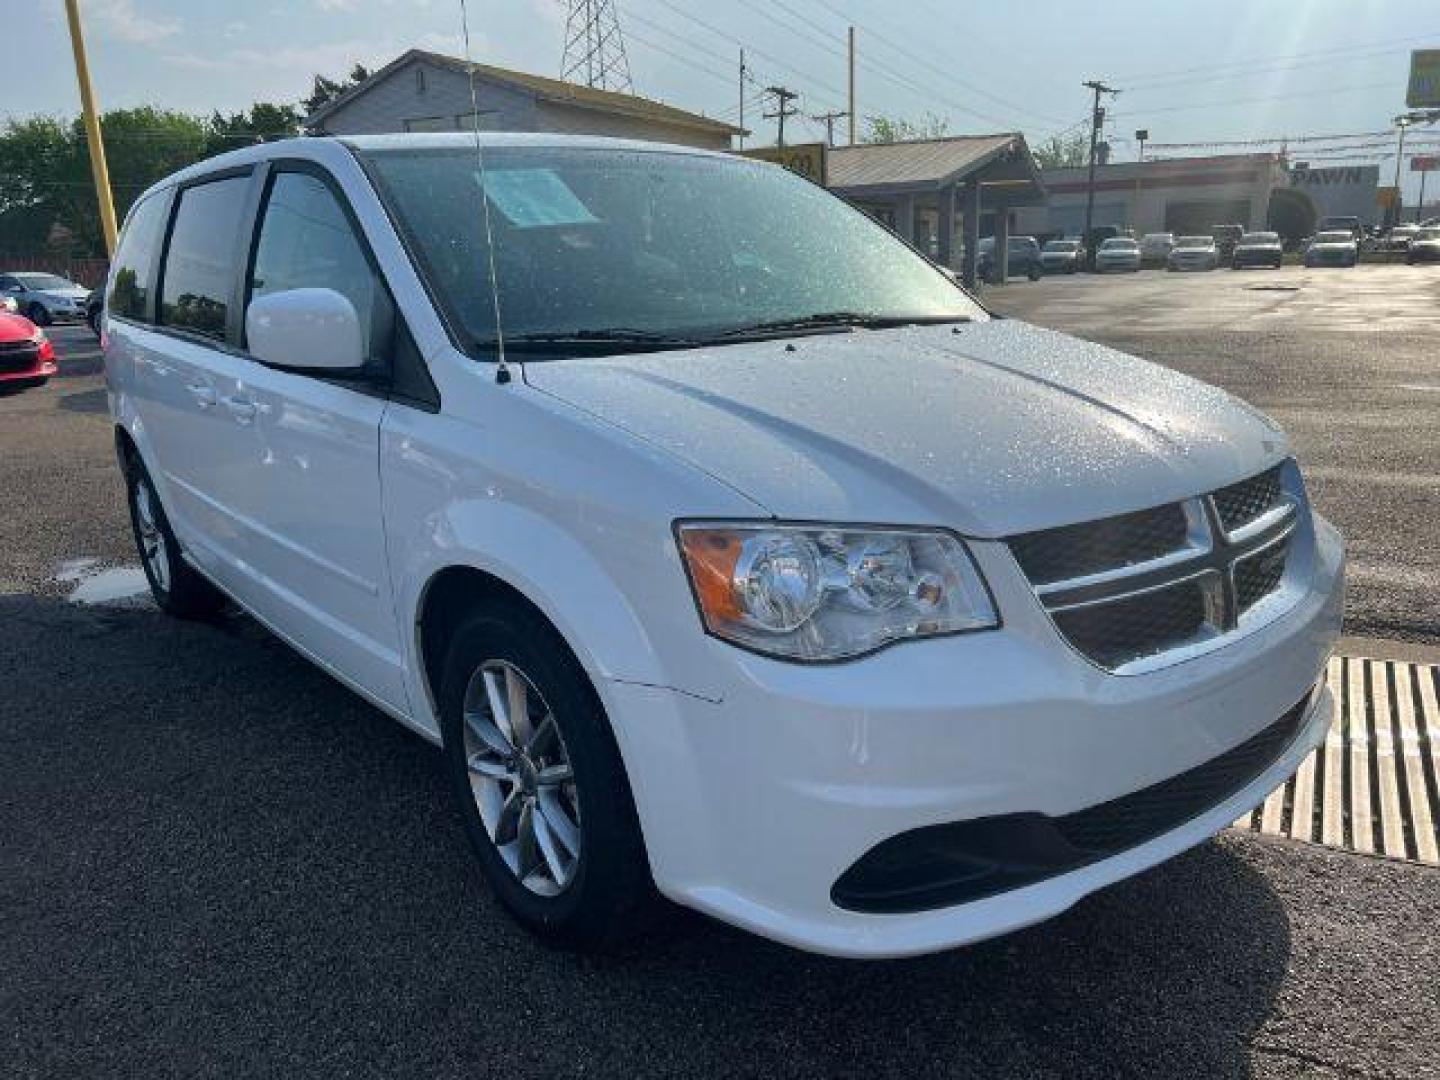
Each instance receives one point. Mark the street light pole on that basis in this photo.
(98, 168)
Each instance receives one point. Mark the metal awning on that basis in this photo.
(1001, 163)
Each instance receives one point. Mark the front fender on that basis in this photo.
(554, 569)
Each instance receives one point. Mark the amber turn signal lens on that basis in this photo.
(711, 556)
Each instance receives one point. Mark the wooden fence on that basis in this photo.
(87, 272)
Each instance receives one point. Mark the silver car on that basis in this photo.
(1118, 253)
(1194, 253)
(45, 298)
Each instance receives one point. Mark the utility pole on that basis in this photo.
(851, 105)
(828, 119)
(1401, 122)
(98, 168)
(742, 99)
(783, 97)
(1097, 120)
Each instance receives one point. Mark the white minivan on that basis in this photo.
(731, 552)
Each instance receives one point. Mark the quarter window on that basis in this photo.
(306, 241)
(201, 258)
(135, 260)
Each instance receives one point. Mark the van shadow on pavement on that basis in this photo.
(218, 860)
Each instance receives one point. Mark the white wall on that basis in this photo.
(440, 101)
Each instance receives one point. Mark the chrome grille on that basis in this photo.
(1116, 631)
(1239, 504)
(1129, 591)
(1075, 550)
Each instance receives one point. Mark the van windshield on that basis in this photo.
(647, 249)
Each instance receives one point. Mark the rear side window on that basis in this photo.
(135, 260)
(201, 261)
(307, 241)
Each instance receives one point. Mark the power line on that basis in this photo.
(914, 58)
(1136, 80)
(1327, 92)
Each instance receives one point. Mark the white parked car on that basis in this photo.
(1333, 248)
(1118, 253)
(1062, 256)
(725, 546)
(45, 298)
(1193, 253)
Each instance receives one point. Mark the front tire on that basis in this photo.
(537, 778)
(38, 314)
(177, 587)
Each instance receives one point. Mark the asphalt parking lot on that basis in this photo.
(216, 861)
(1348, 361)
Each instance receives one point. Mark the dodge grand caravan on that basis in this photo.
(728, 549)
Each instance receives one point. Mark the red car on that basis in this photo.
(27, 358)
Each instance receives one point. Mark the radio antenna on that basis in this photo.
(502, 369)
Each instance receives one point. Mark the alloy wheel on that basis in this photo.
(521, 777)
(153, 549)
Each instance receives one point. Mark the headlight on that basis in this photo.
(829, 592)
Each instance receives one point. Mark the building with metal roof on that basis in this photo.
(923, 188)
(428, 91)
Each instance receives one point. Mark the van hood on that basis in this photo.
(991, 428)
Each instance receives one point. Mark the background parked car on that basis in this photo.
(1335, 247)
(27, 358)
(1398, 239)
(1155, 248)
(1336, 222)
(1226, 237)
(1258, 249)
(1062, 256)
(1118, 253)
(1194, 253)
(1024, 258)
(94, 308)
(1425, 247)
(45, 298)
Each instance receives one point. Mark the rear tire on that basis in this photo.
(177, 587)
(497, 767)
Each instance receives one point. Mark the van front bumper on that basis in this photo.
(755, 807)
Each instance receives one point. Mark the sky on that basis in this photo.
(1189, 70)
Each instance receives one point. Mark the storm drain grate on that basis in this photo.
(1374, 785)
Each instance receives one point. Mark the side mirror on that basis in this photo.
(306, 330)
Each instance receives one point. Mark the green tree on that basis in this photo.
(324, 90)
(265, 122)
(45, 178)
(1059, 152)
(891, 129)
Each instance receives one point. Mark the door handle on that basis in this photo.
(241, 408)
(204, 395)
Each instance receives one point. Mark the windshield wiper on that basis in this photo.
(840, 320)
(548, 340)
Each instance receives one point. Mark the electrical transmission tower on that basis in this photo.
(594, 49)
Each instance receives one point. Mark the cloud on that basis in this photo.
(335, 5)
(120, 19)
(332, 58)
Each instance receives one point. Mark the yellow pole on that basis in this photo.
(98, 168)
